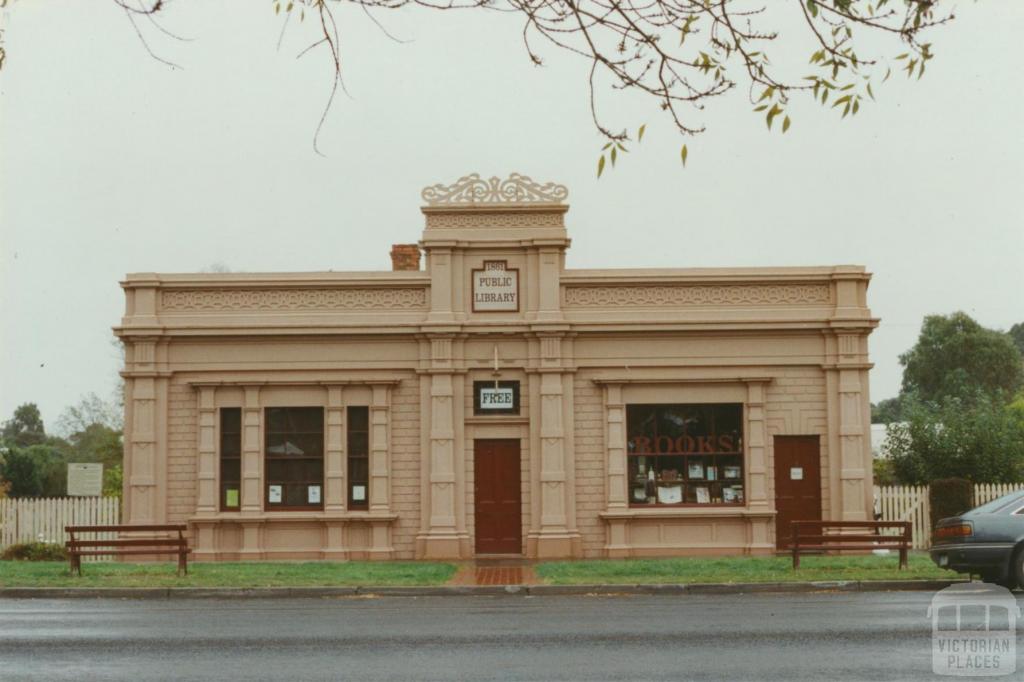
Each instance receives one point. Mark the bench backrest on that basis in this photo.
(124, 528)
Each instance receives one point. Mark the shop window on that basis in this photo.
(230, 458)
(358, 457)
(294, 457)
(685, 454)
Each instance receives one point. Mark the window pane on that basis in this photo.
(294, 446)
(358, 444)
(685, 454)
(230, 456)
(358, 439)
(359, 418)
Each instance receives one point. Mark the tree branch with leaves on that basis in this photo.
(680, 54)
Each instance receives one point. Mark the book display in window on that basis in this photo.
(685, 454)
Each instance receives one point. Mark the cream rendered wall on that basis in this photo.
(790, 342)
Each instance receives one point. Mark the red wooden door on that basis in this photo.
(797, 484)
(497, 503)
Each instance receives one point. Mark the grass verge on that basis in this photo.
(227, 574)
(739, 570)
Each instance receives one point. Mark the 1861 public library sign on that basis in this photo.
(496, 287)
(495, 401)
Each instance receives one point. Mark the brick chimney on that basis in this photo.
(405, 257)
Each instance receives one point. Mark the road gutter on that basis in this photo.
(468, 590)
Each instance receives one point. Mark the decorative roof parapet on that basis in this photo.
(472, 191)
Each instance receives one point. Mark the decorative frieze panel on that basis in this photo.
(196, 300)
(697, 295)
(472, 189)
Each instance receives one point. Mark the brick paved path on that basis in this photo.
(496, 573)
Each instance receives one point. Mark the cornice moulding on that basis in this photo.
(383, 279)
(633, 379)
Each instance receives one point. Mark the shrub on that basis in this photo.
(949, 497)
(35, 551)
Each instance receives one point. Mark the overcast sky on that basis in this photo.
(110, 163)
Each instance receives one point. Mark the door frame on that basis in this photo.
(517, 442)
(782, 539)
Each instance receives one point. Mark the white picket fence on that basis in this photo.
(43, 519)
(910, 503)
(986, 492)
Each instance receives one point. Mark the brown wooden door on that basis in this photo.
(497, 502)
(797, 484)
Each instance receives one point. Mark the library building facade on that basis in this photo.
(492, 402)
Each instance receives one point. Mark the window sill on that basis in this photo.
(310, 515)
(687, 511)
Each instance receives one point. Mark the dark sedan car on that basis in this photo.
(986, 541)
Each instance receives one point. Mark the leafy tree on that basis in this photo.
(25, 427)
(113, 481)
(90, 410)
(51, 465)
(39, 461)
(887, 411)
(981, 440)
(680, 54)
(1017, 334)
(19, 473)
(94, 434)
(955, 357)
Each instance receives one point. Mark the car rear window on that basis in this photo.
(999, 503)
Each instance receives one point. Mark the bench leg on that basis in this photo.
(903, 557)
(76, 564)
(182, 563)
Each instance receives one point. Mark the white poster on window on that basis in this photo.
(313, 494)
(359, 493)
(275, 494)
(796, 473)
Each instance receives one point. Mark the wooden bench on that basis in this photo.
(123, 546)
(834, 536)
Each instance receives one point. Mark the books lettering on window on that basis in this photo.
(703, 496)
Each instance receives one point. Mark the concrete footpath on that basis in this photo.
(467, 590)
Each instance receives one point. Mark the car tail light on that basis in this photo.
(958, 530)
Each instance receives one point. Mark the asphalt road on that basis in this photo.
(821, 636)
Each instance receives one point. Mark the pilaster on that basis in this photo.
(334, 451)
(145, 473)
(380, 466)
(853, 474)
(555, 538)
(207, 494)
(615, 463)
(252, 464)
(757, 468)
(442, 537)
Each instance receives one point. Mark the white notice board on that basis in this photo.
(85, 480)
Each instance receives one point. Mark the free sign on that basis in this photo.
(497, 398)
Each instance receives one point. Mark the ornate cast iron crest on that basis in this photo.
(472, 189)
